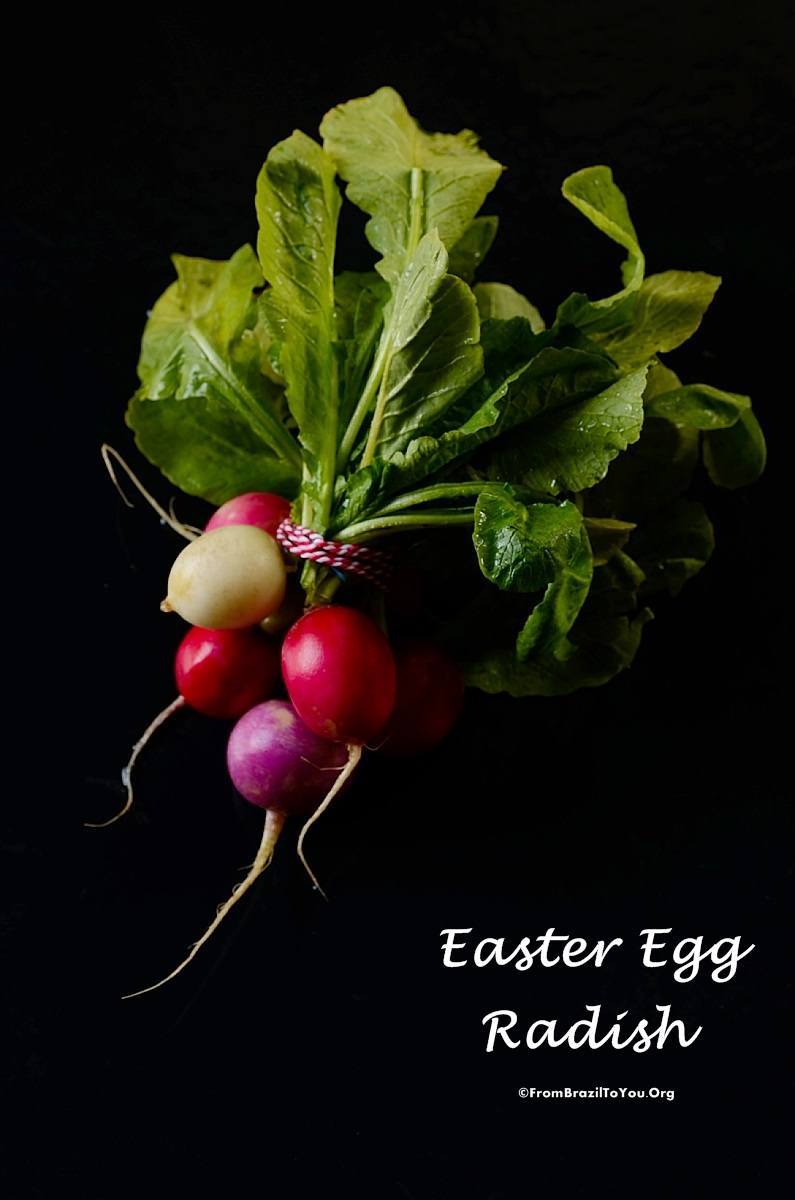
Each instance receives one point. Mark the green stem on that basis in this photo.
(319, 583)
(437, 491)
(363, 531)
(417, 211)
(327, 463)
(378, 415)
(365, 402)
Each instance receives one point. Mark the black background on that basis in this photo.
(317, 1050)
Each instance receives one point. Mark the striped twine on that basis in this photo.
(371, 564)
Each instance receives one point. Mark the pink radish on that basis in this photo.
(430, 696)
(340, 674)
(278, 764)
(263, 509)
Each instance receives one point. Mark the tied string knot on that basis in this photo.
(343, 557)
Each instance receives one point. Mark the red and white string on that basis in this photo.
(365, 561)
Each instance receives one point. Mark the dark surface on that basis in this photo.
(322, 1050)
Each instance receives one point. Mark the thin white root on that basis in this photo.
(354, 754)
(170, 519)
(185, 529)
(274, 823)
(126, 775)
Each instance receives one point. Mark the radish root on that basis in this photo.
(189, 532)
(274, 823)
(126, 775)
(354, 755)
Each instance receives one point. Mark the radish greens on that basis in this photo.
(411, 398)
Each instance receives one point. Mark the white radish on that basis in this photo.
(229, 578)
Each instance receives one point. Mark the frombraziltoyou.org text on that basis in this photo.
(686, 958)
(601, 1092)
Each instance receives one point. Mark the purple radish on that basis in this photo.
(277, 764)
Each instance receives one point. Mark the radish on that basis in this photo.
(223, 672)
(229, 578)
(430, 696)
(220, 673)
(276, 763)
(265, 510)
(340, 674)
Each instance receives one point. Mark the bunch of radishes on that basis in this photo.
(347, 687)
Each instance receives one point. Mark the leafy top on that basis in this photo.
(411, 398)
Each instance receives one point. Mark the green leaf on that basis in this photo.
(408, 181)
(734, 445)
(593, 664)
(432, 353)
(200, 358)
(472, 247)
(508, 347)
(506, 396)
(603, 640)
(572, 448)
(667, 311)
(351, 289)
(546, 629)
(593, 192)
(607, 536)
(520, 546)
(201, 445)
(529, 547)
(736, 456)
(698, 405)
(501, 302)
(673, 546)
(655, 469)
(297, 206)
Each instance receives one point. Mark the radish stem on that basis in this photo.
(274, 822)
(354, 754)
(126, 775)
(362, 531)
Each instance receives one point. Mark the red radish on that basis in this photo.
(223, 672)
(277, 764)
(340, 674)
(430, 695)
(263, 509)
(219, 672)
